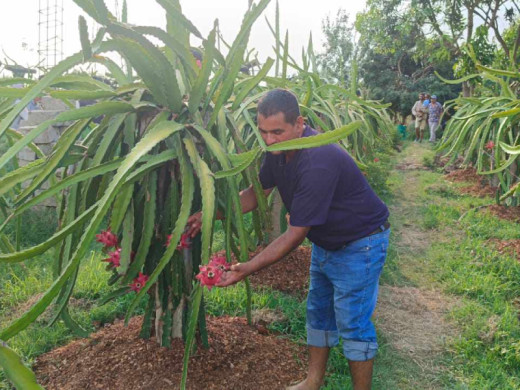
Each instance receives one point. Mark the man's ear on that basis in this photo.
(300, 123)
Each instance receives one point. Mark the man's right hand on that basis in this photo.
(194, 224)
(237, 273)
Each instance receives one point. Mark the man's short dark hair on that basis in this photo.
(280, 100)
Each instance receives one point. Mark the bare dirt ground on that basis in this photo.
(478, 185)
(413, 322)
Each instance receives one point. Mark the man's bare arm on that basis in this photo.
(248, 199)
(248, 202)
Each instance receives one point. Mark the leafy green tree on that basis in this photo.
(335, 61)
(478, 48)
(432, 31)
(391, 69)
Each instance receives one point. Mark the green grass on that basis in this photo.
(22, 283)
(485, 351)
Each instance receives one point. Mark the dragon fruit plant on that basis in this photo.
(175, 137)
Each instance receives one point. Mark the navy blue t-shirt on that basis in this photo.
(323, 188)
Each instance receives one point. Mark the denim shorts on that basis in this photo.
(343, 294)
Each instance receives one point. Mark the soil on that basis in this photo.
(239, 357)
(508, 213)
(481, 188)
(510, 247)
(479, 184)
(413, 322)
(442, 162)
(290, 275)
(466, 174)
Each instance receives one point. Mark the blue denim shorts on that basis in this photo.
(343, 294)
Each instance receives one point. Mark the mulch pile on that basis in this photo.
(239, 357)
(290, 275)
(510, 247)
(481, 188)
(503, 212)
(442, 162)
(479, 184)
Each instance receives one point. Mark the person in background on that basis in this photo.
(420, 117)
(434, 115)
(426, 100)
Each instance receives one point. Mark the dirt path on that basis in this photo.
(411, 315)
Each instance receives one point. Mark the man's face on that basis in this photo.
(434, 100)
(275, 129)
(421, 97)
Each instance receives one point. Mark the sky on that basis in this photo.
(19, 22)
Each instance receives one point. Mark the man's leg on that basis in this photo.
(433, 129)
(355, 273)
(317, 364)
(417, 130)
(361, 373)
(322, 333)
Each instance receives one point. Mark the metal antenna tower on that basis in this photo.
(50, 32)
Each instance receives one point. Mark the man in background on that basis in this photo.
(419, 112)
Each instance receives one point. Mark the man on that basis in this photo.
(434, 116)
(331, 203)
(418, 110)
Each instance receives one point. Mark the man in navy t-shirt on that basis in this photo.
(331, 203)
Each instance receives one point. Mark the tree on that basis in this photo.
(390, 66)
(432, 31)
(335, 62)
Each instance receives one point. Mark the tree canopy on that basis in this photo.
(400, 45)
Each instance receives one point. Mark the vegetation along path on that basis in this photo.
(448, 304)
